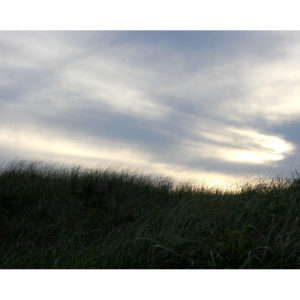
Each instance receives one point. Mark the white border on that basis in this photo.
(149, 284)
(149, 15)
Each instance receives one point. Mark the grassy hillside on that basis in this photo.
(54, 217)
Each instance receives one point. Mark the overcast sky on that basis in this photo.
(211, 107)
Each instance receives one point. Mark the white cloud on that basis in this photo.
(271, 89)
(48, 142)
(239, 145)
(99, 85)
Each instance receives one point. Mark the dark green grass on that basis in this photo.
(53, 217)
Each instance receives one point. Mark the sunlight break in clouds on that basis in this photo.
(255, 148)
(213, 107)
(273, 148)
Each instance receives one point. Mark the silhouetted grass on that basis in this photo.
(53, 217)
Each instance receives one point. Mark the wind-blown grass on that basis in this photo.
(53, 217)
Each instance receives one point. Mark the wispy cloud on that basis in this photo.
(208, 106)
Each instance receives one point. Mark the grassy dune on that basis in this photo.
(53, 217)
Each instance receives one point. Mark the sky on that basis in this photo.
(217, 108)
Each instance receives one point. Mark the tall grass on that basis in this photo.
(59, 217)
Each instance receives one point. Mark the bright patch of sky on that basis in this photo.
(206, 106)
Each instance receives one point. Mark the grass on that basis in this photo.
(55, 217)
